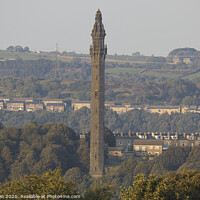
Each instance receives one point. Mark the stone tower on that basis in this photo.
(98, 53)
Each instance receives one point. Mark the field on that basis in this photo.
(119, 71)
(119, 68)
(7, 55)
(192, 76)
(152, 72)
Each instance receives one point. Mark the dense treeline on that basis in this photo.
(175, 159)
(170, 92)
(142, 121)
(40, 88)
(50, 185)
(46, 69)
(135, 120)
(184, 185)
(77, 68)
(77, 120)
(35, 149)
(184, 52)
(18, 49)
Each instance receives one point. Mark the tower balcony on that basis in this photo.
(95, 50)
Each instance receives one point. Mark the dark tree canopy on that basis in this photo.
(183, 52)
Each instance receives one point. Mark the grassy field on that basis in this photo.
(192, 76)
(141, 72)
(119, 71)
(166, 75)
(7, 55)
(16, 55)
(144, 71)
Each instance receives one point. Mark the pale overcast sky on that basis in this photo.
(148, 26)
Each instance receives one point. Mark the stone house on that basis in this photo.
(134, 107)
(15, 105)
(151, 147)
(1, 104)
(120, 109)
(76, 105)
(163, 109)
(34, 106)
(187, 60)
(115, 151)
(55, 107)
(46, 101)
(5, 99)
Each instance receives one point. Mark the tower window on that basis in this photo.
(96, 77)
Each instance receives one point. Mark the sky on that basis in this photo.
(151, 27)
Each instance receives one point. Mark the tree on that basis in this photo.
(184, 185)
(109, 137)
(173, 158)
(26, 49)
(49, 183)
(10, 48)
(18, 48)
(99, 192)
(83, 152)
(82, 180)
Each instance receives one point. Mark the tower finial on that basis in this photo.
(98, 15)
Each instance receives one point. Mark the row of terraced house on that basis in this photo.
(28, 104)
(151, 144)
(57, 105)
(120, 109)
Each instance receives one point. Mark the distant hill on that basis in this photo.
(183, 52)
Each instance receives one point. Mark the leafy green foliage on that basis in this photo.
(84, 154)
(184, 185)
(184, 52)
(49, 183)
(109, 137)
(134, 120)
(34, 149)
(174, 157)
(172, 92)
(100, 193)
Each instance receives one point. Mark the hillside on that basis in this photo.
(35, 149)
(78, 66)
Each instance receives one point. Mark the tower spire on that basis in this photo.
(98, 26)
(98, 16)
(98, 53)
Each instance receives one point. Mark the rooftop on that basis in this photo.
(163, 107)
(55, 104)
(15, 102)
(35, 102)
(147, 142)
